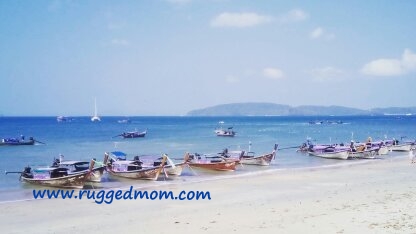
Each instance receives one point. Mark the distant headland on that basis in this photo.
(272, 109)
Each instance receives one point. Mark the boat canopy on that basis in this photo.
(120, 155)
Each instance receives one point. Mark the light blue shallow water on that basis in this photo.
(81, 139)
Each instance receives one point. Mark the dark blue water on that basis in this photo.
(82, 139)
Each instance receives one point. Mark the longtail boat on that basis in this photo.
(341, 154)
(403, 146)
(406, 147)
(149, 161)
(368, 150)
(215, 163)
(133, 169)
(170, 168)
(249, 158)
(80, 166)
(55, 177)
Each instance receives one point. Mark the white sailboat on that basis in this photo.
(95, 118)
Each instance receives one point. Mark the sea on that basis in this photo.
(81, 139)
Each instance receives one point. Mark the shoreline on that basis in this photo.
(379, 196)
(23, 193)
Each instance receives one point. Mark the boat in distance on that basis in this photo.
(95, 118)
(133, 134)
(225, 132)
(12, 141)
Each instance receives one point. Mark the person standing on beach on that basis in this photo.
(412, 156)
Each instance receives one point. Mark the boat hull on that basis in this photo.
(31, 142)
(216, 166)
(263, 160)
(332, 155)
(404, 147)
(384, 150)
(363, 155)
(69, 181)
(176, 171)
(96, 175)
(142, 174)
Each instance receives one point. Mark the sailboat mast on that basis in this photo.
(95, 117)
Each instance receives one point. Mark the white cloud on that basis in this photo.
(294, 15)
(239, 20)
(273, 73)
(327, 73)
(320, 33)
(316, 33)
(391, 67)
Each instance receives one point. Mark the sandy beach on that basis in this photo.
(374, 197)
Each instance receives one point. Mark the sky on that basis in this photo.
(168, 57)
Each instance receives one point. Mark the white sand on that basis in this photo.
(377, 197)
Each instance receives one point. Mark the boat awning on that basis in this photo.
(119, 155)
(73, 162)
(123, 163)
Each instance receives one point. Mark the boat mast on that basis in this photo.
(95, 117)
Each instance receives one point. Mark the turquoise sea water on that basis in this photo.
(82, 139)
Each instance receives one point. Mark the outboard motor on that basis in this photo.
(27, 170)
(198, 156)
(136, 159)
(27, 173)
(55, 162)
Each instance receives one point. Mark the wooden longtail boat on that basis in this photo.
(262, 160)
(249, 158)
(170, 168)
(133, 169)
(403, 146)
(149, 161)
(333, 155)
(211, 164)
(406, 147)
(80, 166)
(175, 170)
(56, 177)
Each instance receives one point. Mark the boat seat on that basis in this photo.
(216, 161)
(60, 172)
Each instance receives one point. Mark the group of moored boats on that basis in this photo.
(368, 150)
(74, 174)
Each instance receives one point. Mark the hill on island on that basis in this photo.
(272, 109)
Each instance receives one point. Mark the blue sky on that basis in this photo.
(167, 57)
